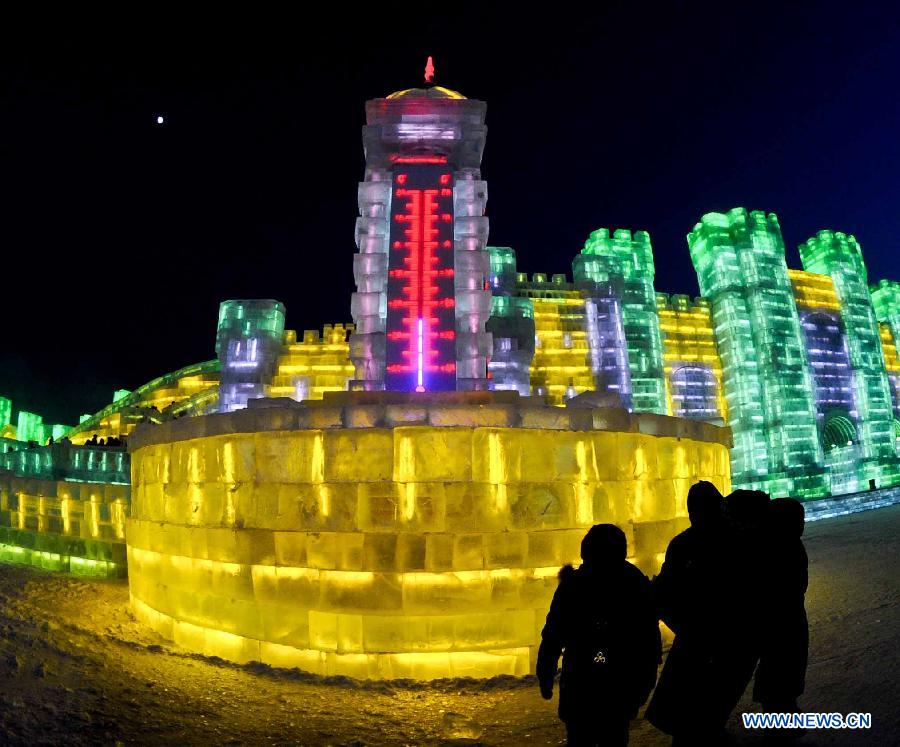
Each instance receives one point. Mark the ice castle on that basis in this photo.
(393, 497)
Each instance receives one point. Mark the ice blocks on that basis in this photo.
(615, 272)
(693, 369)
(188, 391)
(511, 325)
(316, 364)
(409, 551)
(421, 303)
(248, 341)
(561, 367)
(840, 256)
(63, 508)
(29, 427)
(740, 263)
(5, 412)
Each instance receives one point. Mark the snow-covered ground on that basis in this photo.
(76, 668)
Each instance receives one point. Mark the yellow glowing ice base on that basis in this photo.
(63, 526)
(313, 366)
(413, 551)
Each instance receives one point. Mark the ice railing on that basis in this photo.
(61, 461)
(134, 399)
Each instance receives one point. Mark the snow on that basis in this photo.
(75, 667)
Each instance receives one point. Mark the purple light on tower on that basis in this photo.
(420, 374)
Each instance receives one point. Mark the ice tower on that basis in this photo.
(740, 264)
(248, 341)
(615, 273)
(421, 302)
(511, 325)
(29, 427)
(840, 256)
(886, 300)
(5, 412)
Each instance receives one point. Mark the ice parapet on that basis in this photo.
(386, 535)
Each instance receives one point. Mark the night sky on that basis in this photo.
(120, 236)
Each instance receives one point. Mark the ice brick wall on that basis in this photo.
(422, 126)
(416, 551)
(886, 300)
(511, 325)
(562, 363)
(891, 365)
(5, 412)
(839, 255)
(188, 390)
(248, 341)
(616, 273)
(63, 509)
(740, 264)
(689, 352)
(313, 365)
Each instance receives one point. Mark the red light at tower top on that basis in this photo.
(429, 70)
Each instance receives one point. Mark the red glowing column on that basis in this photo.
(421, 336)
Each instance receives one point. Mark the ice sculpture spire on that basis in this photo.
(421, 303)
(429, 70)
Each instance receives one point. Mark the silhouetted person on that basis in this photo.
(603, 621)
(693, 598)
(678, 595)
(781, 675)
(747, 513)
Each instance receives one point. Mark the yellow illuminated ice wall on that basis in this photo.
(305, 369)
(63, 508)
(415, 539)
(689, 344)
(561, 365)
(316, 364)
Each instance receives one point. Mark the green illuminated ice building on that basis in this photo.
(801, 364)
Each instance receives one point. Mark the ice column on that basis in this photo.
(840, 256)
(511, 325)
(740, 264)
(248, 342)
(421, 302)
(886, 301)
(616, 273)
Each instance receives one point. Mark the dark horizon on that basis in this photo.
(122, 236)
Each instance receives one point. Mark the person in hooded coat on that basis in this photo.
(603, 622)
(747, 513)
(784, 644)
(691, 595)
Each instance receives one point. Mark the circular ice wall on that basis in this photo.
(386, 536)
